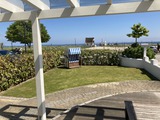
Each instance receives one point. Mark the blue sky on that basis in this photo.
(109, 28)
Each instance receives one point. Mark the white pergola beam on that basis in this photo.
(39, 4)
(73, 3)
(122, 8)
(12, 5)
(38, 60)
(125, 8)
(109, 1)
(5, 17)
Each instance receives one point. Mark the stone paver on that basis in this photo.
(18, 108)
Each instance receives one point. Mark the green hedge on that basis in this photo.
(100, 57)
(19, 68)
(137, 52)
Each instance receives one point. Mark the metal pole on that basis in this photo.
(75, 42)
(24, 25)
(38, 59)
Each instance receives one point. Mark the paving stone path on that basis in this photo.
(23, 108)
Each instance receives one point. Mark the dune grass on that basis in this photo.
(61, 78)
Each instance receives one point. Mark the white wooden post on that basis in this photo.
(144, 45)
(145, 52)
(154, 62)
(38, 59)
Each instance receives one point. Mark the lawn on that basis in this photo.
(61, 78)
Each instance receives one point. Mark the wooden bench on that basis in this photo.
(129, 111)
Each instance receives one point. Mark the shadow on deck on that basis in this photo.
(112, 108)
(21, 112)
(95, 112)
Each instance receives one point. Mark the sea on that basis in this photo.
(97, 44)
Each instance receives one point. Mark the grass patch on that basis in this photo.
(59, 79)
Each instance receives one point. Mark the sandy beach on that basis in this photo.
(107, 48)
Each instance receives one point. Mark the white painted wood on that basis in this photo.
(145, 52)
(147, 0)
(4, 17)
(122, 8)
(12, 5)
(73, 3)
(38, 59)
(39, 4)
(109, 1)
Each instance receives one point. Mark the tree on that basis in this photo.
(21, 31)
(138, 31)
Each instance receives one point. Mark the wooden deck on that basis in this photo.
(147, 111)
(147, 107)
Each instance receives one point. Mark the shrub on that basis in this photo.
(19, 68)
(100, 57)
(15, 70)
(136, 44)
(137, 52)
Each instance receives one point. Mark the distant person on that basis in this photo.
(158, 47)
(15, 50)
(20, 51)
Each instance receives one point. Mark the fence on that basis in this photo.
(149, 65)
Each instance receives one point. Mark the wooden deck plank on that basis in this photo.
(147, 111)
(113, 108)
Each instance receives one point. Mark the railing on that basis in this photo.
(152, 66)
